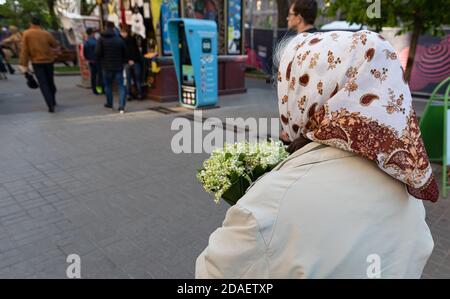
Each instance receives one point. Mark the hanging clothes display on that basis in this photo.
(137, 23)
(112, 13)
(156, 12)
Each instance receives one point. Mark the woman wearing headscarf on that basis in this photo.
(347, 203)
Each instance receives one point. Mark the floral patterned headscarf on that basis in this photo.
(347, 90)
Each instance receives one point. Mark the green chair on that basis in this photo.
(434, 128)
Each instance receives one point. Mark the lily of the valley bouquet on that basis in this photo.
(230, 170)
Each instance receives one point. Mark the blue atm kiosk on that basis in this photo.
(194, 50)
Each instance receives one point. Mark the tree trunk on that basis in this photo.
(220, 6)
(15, 13)
(51, 11)
(283, 11)
(412, 50)
(86, 9)
(252, 32)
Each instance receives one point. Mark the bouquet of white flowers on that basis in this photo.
(232, 169)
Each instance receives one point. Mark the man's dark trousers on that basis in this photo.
(96, 76)
(44, 75)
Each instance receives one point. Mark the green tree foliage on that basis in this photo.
(20, 12)
(51, 11)
(86, 8)
(415, 16)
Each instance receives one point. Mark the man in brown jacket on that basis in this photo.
(39, 47)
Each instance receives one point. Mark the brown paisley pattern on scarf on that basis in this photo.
(314, 41)
(313, 61)
(320, 87)
(331, 61)
(302, 57)
(334, 36)
(358, 36)
(335, 91)
(429, 191)
(297, 47)
(304, 80)
(390, 55)
(379, 74)
(369, 54)
(288, 71)
(368, 98)
(351, 84)
(292, 84)
(394, 104)
(301, 104)
(350, 131)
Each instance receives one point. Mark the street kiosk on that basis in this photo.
(194, 50)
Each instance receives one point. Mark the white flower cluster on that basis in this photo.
(225, 166)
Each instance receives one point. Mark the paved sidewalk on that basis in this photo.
(108, 187)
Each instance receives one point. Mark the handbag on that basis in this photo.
(31, 81)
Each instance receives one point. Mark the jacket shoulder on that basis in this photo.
(26, 33)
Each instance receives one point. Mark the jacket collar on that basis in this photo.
(313, 153)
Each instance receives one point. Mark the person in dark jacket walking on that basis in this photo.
(111, 53)
(94, 67)
(134, 67)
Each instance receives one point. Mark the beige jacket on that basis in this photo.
(322, 213)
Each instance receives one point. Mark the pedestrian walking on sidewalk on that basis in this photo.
(134, 67)
(94, 66)
(40, 47)
(111, 53)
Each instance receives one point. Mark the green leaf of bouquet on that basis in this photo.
(233, 177)
(258, 171)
